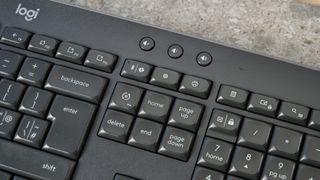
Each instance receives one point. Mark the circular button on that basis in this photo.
(175, 51)
(204, 59)
(146, 44)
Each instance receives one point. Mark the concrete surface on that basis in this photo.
(282, 28)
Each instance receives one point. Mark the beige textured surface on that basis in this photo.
(281, 28)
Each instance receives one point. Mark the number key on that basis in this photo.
(246, 163)
(215, 154)
(278, 169)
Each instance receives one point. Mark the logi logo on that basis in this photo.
(29, 15)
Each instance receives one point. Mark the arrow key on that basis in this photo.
(246, 163)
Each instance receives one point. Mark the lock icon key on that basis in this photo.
(231, 122)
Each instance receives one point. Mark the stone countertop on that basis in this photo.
(287, 29)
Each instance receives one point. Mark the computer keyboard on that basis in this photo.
(89, 96)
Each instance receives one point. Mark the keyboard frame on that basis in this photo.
(103, 158)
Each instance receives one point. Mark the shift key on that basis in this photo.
(70, 119)
(76, 83)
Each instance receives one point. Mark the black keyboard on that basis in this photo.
(88, 96)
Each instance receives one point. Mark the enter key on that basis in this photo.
(70, 122)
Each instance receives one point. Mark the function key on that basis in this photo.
(136, 70)
(311, 151)
(176, 143)
(246, 163)
(175, 51)
(10, 64)
(101, 60)
(186, 115)
(34, 72)
(43, 44)
(255, 134)
(8, 122)
(263, 105)
(146, 44)
(215, 154)
(15, 37)
(31, 131)
(207, 174)
(165, 78)
(278, 169)
(155, 106)
(71, 52)
(195, 86)
(126, 98)
(315, 120)
(307, 173)
(204, 59)
(224, 125)
(116, 125)
(293, 113)
(285, 143)
(145, 134)
(233, 96)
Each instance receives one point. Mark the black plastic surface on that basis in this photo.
(102, 158)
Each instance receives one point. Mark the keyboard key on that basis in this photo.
(145, 134)
(186, 115)
(195, 86)
(315, 120)
(9, 64)
(101, 60)
(70, 122)
(116, 126)
(8, 123)
(76, 83)
(155, 106)
(32, 163)
(71, 52)
(43, 44)
(123, 177)
(233, 96)
(207, 174)
(10, 93)
(15, 37)
(215, 154)
(307, 173)
(136, 70)
(126, 98)
(146, 44)
(31, 131)
(36, 102)
(34, 72)
(165, 78)
(176, 143)
(5, 175)
(278, 169)
(293, 113)
(311, 151)
(263, 105)
(255, 134)
(246, 163)
(204, 59)
(224, 125)
(175, 51)
(285, 143)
